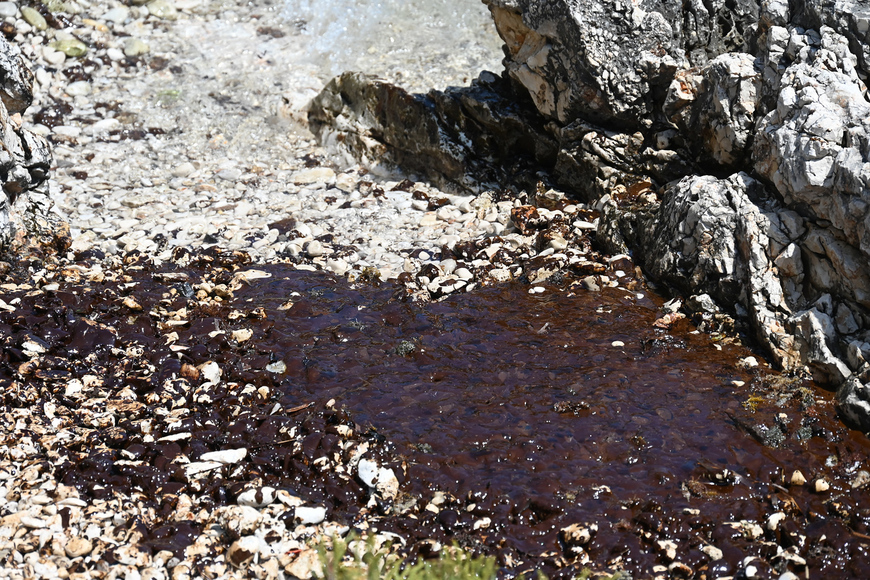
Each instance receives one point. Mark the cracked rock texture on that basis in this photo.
(728, 142)
(26, 216)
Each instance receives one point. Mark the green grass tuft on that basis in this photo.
(371, 563)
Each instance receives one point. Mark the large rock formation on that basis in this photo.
(25, 207)
(731, 138)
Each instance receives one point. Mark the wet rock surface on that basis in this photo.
(209, 415)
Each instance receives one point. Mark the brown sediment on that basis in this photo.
(531, 413)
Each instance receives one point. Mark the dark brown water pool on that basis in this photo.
(533, 412)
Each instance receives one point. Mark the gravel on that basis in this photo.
(182, 125)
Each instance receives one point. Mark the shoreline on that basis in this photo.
(197, 213)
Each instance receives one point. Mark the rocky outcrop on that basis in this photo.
(25, 208)
(458, 136)
(728, 142)
(724, 238)
(610, 59)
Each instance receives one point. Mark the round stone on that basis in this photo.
(78, 547)
(33, 18)
(70, 47)
(135, 47)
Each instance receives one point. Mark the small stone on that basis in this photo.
(861, 479)
(243, 550)
(367, 471)
(257, 497)
(117, 15)
(242, 335)
(226, 456)
(310, 515)
(197, 467)
(345, 182)
(78, 547)
(822, 485)
(579, 535)
(163, 9)
(210, 372)
(500, 274)
(482, 523)
(131, 303)
(103, 126)
(181, 572)
(680, 570)
(774, 520)
(78, 89)
(52, 56)
(338, 267)
(32, 522)
(315, 249)
(306, 565)
(71, 47)
(381, 479)
(183, 170)
(73, 388)
(429, 220)
(279, 367)
(712, 552)
(230, 174)
(313, 175)
(668, 549)
(134, 47)
(617, 344)
(132, 555)
(239, 519)
(591, 284)
(797, 478)
(8, 10)
(34, 18)
(749, 362)
(558, 243)
(115, 54)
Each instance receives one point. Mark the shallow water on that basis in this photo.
(520, 407)
(420, 44)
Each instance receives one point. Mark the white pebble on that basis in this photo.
(118, 15)
(774, 520)
(226, 456)
(184, 169)
(8, 10)
(78, 89)
(310, 515)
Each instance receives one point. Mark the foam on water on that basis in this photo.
(419, 44)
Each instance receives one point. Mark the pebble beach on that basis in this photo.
(189, 129)
(181, 126)
(199, 387)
